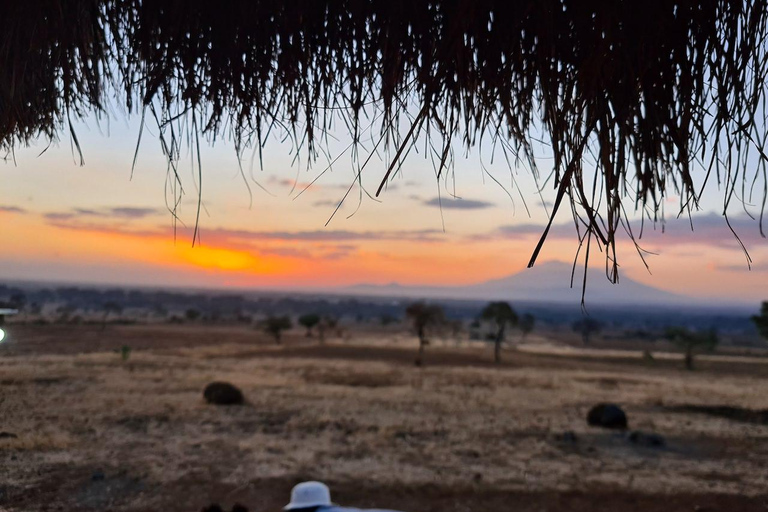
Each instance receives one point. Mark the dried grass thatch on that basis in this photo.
(633, 97)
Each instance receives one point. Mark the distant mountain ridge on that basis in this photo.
(546, 282)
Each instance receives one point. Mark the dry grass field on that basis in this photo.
(85, 430)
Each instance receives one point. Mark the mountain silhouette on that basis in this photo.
(546, 282)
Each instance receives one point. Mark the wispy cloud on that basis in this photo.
(12, 209)
(123, 212)
(324, 245)
(709, 229)
(129, 212)
(247, 238)
(325, 203)
(457, 204)
(756, 268)
(526, 230)
(325, 252)
(322, 235)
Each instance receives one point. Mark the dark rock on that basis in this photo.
(607, 416)
(98, 476)
(213, 508)
(222, 393)
(8, 435)
(647, 439)
(239, 508)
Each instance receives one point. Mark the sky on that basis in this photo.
(106, 223)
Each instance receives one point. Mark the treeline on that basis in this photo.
(76, 304)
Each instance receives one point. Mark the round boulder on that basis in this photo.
(607, 416)
(222, 393)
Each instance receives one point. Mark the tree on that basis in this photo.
(309, 321)
(387, 319)
(423, 317)
(110, 307)
(326, 323)
(587, 327)
(761, 321)
(692, 341)
(502, 316)
(275, 325)
(526, 324)
(192, 314)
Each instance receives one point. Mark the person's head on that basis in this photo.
(308, 497)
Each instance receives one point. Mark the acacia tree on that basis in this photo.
(502, 316)
(309, 321)
(192, 314)
(692, 341)
(327, 323)
(587, 327)
(526, 324)
(761, 321)
(275, 325)
(423, 317)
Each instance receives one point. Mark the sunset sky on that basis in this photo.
(97, 224)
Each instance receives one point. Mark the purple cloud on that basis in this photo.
(457, 204)
(12, 209)
(709, 229)
(123, 212)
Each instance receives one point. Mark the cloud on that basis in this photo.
(291, 183)
(12, 209)
(327, 252)
(458, 204)
(322, 235)
(325, 203)
(128, 212)
(708, 229)
(122, 212)
(243, 237)
(521, 231)
(391, 187)
(59, 216)
(83, 211)
(65, 221)
(740, 268)
(315, 245)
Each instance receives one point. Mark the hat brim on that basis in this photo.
(296, 506)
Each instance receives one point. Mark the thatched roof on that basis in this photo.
(647, 93)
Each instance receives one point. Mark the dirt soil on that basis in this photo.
(82, 429)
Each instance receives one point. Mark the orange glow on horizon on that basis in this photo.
(225, 260)
(217, 258)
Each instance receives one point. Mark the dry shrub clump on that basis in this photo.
(630, 97)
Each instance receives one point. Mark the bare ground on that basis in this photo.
(96, 433)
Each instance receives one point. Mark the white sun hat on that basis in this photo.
(309, 494)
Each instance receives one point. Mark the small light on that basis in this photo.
(2, 335)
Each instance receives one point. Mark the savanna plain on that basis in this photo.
(86, 428)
